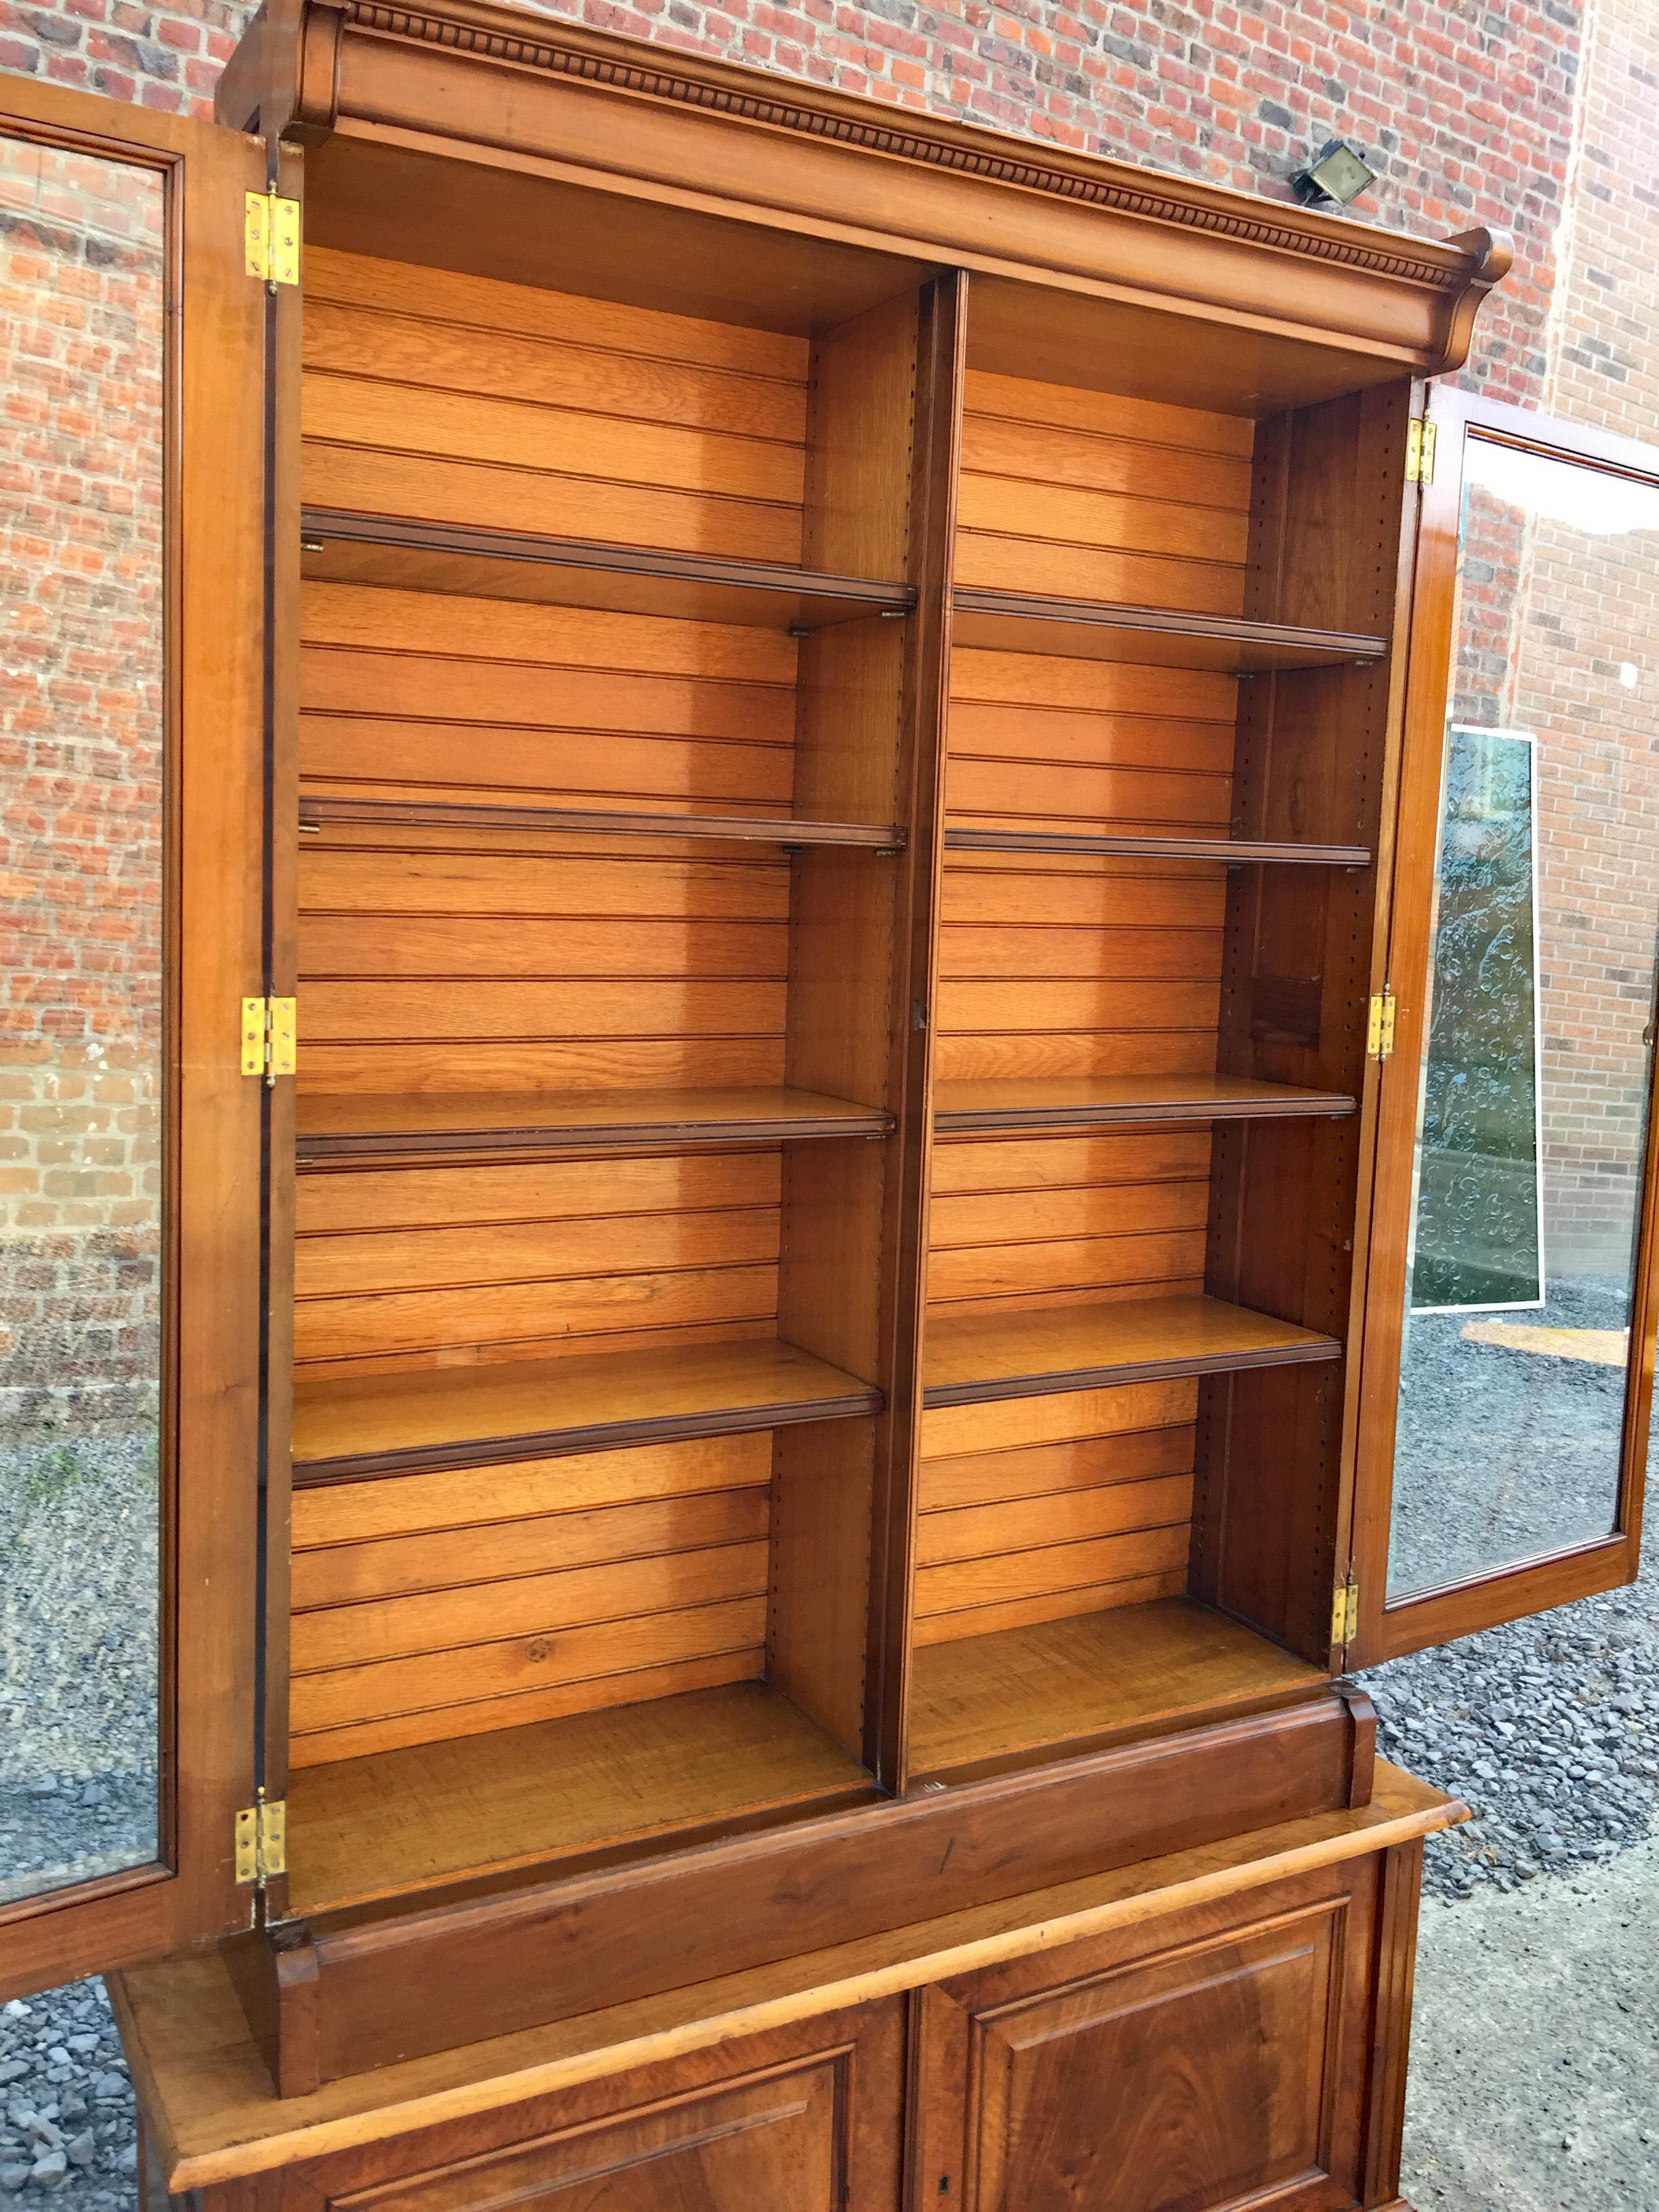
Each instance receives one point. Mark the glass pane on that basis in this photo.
(1532, 1118)
(81, 718)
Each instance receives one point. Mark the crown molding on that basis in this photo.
(513, 37)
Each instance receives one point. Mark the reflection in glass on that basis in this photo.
(80, 720)
(1532, 1118)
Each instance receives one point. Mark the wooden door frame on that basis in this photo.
(1462, 1608)
(213, 634)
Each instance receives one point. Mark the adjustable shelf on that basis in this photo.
(1082, 630)
(355, 1126)
(1080, 1102)
(400, 1423)
(972, 1357)
(961, 837)
(507, 564)
(318, 812)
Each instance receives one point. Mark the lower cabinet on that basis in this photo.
(1197, 2061)
(1232, 2035)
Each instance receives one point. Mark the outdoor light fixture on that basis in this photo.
(1338, 173)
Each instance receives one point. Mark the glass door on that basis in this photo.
(1508, 1363)
(132, 675)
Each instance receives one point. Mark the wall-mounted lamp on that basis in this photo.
(1338, 173)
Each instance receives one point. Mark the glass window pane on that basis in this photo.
(1532, 1117)
(82, 270)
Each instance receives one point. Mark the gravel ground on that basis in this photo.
(1548, 1730)
(66, 2111)
(78, 1612)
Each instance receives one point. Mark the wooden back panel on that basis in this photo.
(433, 1606)
(1038, 1509)
(461, 399)
(1088, 496)
(1039, 742)
(1054, 966)
(423, 696)
(1023, 1222)
(433, 961)
(405, 1268)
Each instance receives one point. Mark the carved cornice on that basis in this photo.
(863, 125)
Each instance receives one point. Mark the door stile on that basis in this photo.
(212, 631)
(1577, 1571)
(1351, 1508)
(941, 359)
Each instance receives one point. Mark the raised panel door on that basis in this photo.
(1211, 2060)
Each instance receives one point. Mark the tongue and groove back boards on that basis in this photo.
(456, 399)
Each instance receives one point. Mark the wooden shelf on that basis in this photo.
(509, 1798)
(355, 1126)
(962, 838)
(469, 1417)
(1015, 622)
(1080, 1102)
(316, 813)
(507, 564)
(985, 1701)
(975, 1357)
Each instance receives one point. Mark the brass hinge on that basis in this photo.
(1379, 1026)
(271, 232)
(262, 1841)
(1420, 439)
(1345, 1614)
(269, 1033)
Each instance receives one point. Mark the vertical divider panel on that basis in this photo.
(882, 432)
(1313, 751)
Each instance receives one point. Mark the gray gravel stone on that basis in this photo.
(1548, 1729)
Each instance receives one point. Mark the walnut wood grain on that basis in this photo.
(386, 1425)
(985, 1356)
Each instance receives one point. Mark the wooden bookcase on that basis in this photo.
(826, 735)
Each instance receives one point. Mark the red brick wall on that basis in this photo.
(1467, 105)
(81, 309)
